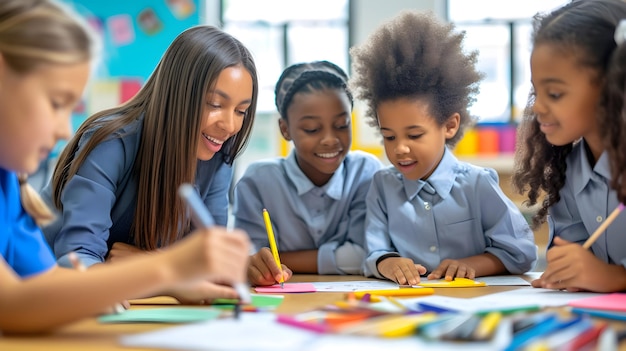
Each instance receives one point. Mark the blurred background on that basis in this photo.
(281, 32)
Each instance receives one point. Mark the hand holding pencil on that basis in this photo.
(265, 266)
(574, 267)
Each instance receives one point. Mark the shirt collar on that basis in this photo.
(442, 179)
(581, 166)
(334, 187)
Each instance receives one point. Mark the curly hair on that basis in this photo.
(613, 122)
(416, 56)
(584, 30)
(308, 77)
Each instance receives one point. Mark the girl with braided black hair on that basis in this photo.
(316, 195)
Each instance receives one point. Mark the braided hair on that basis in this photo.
(308, 77)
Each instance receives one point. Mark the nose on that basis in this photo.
(330, 139)
(401, 148)
(64, 128)
(228, 122)
(538, 107)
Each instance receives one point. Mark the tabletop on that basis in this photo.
(89, 334)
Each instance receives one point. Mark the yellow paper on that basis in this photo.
(456, 283)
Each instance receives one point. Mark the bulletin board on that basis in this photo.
(136, 33)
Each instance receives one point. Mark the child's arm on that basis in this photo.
(199, 292)
(507, 234)
(574, 268)
(61, 296)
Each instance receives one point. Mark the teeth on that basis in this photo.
(217, 141)
(405, 163)
(328, 155)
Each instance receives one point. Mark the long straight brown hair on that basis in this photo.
(171, 103)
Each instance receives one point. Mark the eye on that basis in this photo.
(413, 137)
(344, 126)
(389, 138)
(555, 96)
(213, 104)
(241, 113)
(310, 131)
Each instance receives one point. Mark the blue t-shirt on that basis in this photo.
(21, 242)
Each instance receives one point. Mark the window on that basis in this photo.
(283, 32)
(500, 31)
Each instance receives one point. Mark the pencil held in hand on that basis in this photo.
(273, 247)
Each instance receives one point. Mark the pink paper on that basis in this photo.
(610, 302)
(289, 288)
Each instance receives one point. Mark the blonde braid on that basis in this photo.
(33, 204)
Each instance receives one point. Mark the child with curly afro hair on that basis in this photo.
(429, 213)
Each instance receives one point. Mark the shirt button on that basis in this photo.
(433, 248)
(599, 219)
(426, 206)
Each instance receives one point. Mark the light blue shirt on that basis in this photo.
(467, 215)
(329, 218)
(586, 200)
(99, 201)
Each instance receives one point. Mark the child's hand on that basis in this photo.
(263, 269)
(401, 270)
(451, 269)
(574, 268)
(214, 254)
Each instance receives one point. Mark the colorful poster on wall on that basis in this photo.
(149, 22)
(181, 9)
(121, 29)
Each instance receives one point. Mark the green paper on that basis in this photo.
(161, 315)
(260, 301)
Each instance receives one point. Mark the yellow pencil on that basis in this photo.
(273, 247)
(487, 326)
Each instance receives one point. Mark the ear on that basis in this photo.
(284, 129)
(452, 125)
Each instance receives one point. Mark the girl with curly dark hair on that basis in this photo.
(569, 150)
(430, 212)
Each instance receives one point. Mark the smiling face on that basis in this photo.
(320, 127)
(35, 110)
(414, 142)
(567, 97)
(224, 111)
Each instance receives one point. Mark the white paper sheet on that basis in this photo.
(357, 285)
(522, 297)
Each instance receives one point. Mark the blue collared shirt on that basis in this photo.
(586, 200)
(329, 218)
(467, 215)
(99, 201)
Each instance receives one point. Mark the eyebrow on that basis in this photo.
(226, 96)
(551, 80)
(343, 114)
(406, 128)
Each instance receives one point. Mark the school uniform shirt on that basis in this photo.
(459, 212)
(22, 245)
(329, 218)
(586, 201)
(99, 201)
